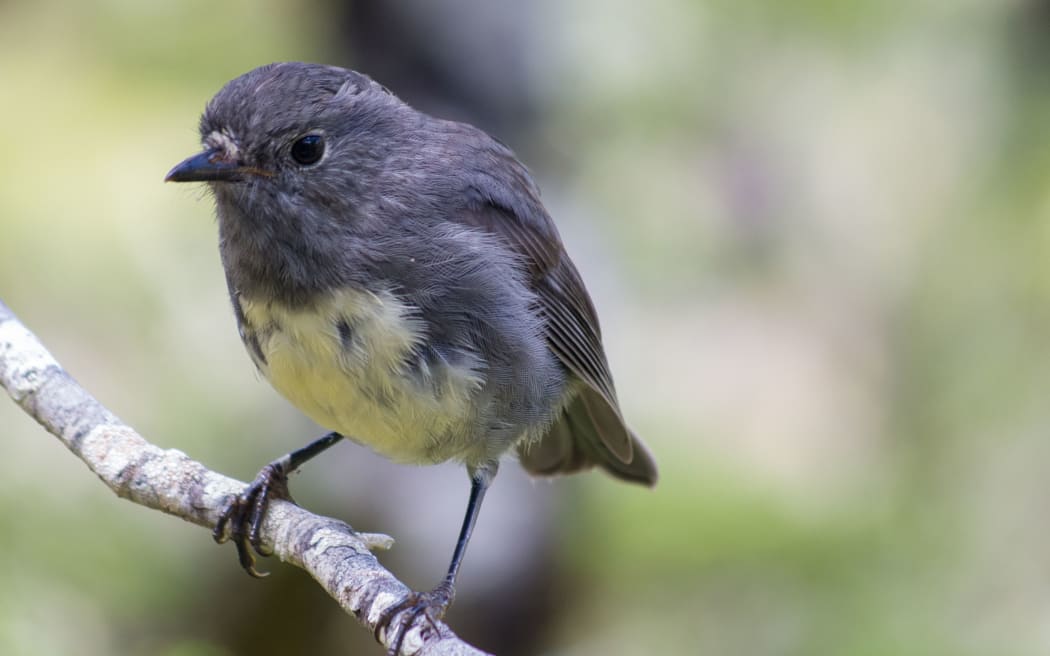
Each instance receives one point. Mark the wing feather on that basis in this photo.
(572, 329)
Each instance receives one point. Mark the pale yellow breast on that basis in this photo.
(344, 362)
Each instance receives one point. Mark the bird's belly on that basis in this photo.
(350, 363)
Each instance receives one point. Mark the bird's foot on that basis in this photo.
(241, 519)
(430, 605)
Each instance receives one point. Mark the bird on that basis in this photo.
(398, 279)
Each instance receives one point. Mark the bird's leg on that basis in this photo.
(242, 517)
(433, 604)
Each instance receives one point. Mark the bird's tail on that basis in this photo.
(574, 442)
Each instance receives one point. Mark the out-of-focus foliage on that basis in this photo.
(816, 233)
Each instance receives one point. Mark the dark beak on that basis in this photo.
(209, 166)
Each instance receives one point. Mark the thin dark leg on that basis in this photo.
(433, 604)
(478, 486)
(300, 457)
(243, 515)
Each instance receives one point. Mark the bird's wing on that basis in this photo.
(570, 320)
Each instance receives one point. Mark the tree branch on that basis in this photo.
(166, 479)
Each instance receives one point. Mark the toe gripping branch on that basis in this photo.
(430, 605)
(242, 517)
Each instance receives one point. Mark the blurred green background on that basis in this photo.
(815, 232)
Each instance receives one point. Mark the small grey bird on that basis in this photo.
(396, 277)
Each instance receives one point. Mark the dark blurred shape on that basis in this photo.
(1029, 33)
(466, 61)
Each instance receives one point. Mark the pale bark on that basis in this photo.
(336, 556)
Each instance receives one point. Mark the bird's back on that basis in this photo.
(588, 428)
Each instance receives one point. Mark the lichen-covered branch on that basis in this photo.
(165, 479)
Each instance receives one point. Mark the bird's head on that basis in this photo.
(285, 140)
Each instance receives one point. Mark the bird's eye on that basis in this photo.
(307, 150)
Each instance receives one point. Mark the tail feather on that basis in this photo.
(574, 442)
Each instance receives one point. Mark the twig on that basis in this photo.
(166, 479)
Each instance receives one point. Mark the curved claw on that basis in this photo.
(431, 605)
(247, 560)
(241, 520)
(220, 533)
